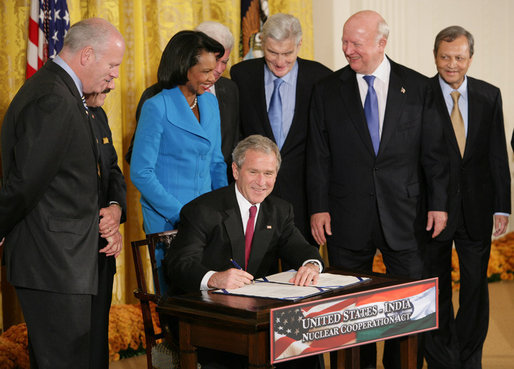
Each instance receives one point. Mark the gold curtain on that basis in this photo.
(147, 26)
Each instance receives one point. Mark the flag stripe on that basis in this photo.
(48, 24)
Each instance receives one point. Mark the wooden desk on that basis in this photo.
(241, 325)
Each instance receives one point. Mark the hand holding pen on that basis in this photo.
(232, 278)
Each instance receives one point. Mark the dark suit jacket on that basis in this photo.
(347, 180)
(112, 183)
(49, 198)
(228, 100)
(290, 184)
(479, 181)
(210, 233)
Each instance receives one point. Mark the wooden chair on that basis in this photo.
(143, 292)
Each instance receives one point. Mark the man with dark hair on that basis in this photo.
(479, 197)
(275, 93)
(50, 197)
(243, 223)
(223, 88)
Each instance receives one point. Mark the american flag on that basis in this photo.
(288, 329)
(48, 23)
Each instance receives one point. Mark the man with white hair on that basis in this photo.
(51, 195)
(275, 93)
(376, 165)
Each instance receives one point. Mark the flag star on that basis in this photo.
(288, 331)
(280, 328)
(66, 17)
(41, 15)
(54, 54)
(285, 321)
(296, 331)
(55, 37)
(56, 14)
(278, 320)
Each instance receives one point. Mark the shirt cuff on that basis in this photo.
(320, 266)
(205, 280)
(506, 214)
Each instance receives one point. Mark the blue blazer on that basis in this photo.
(175, 158)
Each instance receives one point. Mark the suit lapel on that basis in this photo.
(474, 112)
(180, 115)
(234, 227)
(442, 111)
(261, 99)
(396, 96)
(70, 84)
(353, 105)
(220, 93)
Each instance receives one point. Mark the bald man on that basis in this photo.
(375, 162)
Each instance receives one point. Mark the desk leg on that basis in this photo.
(345, 359)
(258, 351)
(409, 351)
(188, 357)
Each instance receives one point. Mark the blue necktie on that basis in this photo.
(275, 113)
(371, 112)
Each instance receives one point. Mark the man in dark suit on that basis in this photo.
(49, 201)
(112, 204)
(479, 197)
(282, 38)
(212, 232)
(224, 89)
(375, 160)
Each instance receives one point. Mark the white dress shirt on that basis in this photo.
(381, 86)
(244, 208)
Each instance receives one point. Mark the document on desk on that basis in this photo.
(277, 286)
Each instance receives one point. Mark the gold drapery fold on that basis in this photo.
(147, 27)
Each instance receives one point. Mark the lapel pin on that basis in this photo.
(402, 90)
(268, 227)
(106, 140)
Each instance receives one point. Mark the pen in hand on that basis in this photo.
(234, 263)
(237, 266)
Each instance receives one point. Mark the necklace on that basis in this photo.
(194, 103)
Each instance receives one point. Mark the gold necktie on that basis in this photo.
(458, 123)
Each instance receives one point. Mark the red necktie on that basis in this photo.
(249, 234)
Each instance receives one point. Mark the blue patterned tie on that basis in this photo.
(371, 112)
(275, 113)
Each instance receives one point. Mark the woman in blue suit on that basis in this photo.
(177, 148)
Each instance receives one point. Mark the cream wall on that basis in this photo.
(414, 24)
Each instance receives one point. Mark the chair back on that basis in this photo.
(142, 293)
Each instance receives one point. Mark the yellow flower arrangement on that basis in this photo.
(126, 337)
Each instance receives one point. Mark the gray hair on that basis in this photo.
(94, 32)
(383, 30)
(217, 31)
(449, 34)
(257, 143)
(282, 27)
